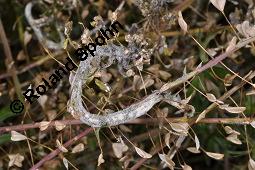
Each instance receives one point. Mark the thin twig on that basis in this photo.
(137, 121)
(9, 62)
(23, 127)
(32, 65)
(57, 151)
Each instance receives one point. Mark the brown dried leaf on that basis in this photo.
(229, 130)
(219, 4)
(142, 153)
(182, 23)
(27, 38)
(147, 83)
(15, 159)
(78, 148)
(154, 68)
(197, 142)
(252, 124)
(232, 45)
(234, 139)
(44, 125)
(180, 127)
(85, 37)
(235, 109)
(249, 31)
(193, 150)
(15, 136)
(164, 75)
(65, 162)
(100, 159)
(211, 97)
(59, 125)
(251, 164)
(167, 140)
(165, 158)
(186, 167)
(60, 146)
(223, 106)
(130, 73)
(68, 28)
(119, 149)
(21, 55)
(217, 156)
(228, 79)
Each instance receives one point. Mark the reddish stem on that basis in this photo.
(57, 151)
(136, 121)
(37, 125)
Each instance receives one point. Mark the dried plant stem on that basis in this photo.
(135, 121)
(208, 65)
(9, 62)
(237, 120)
(57, 151)
(23, 127)
(32, 65)
(221, 57)
(230, 25)
(191, 32)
